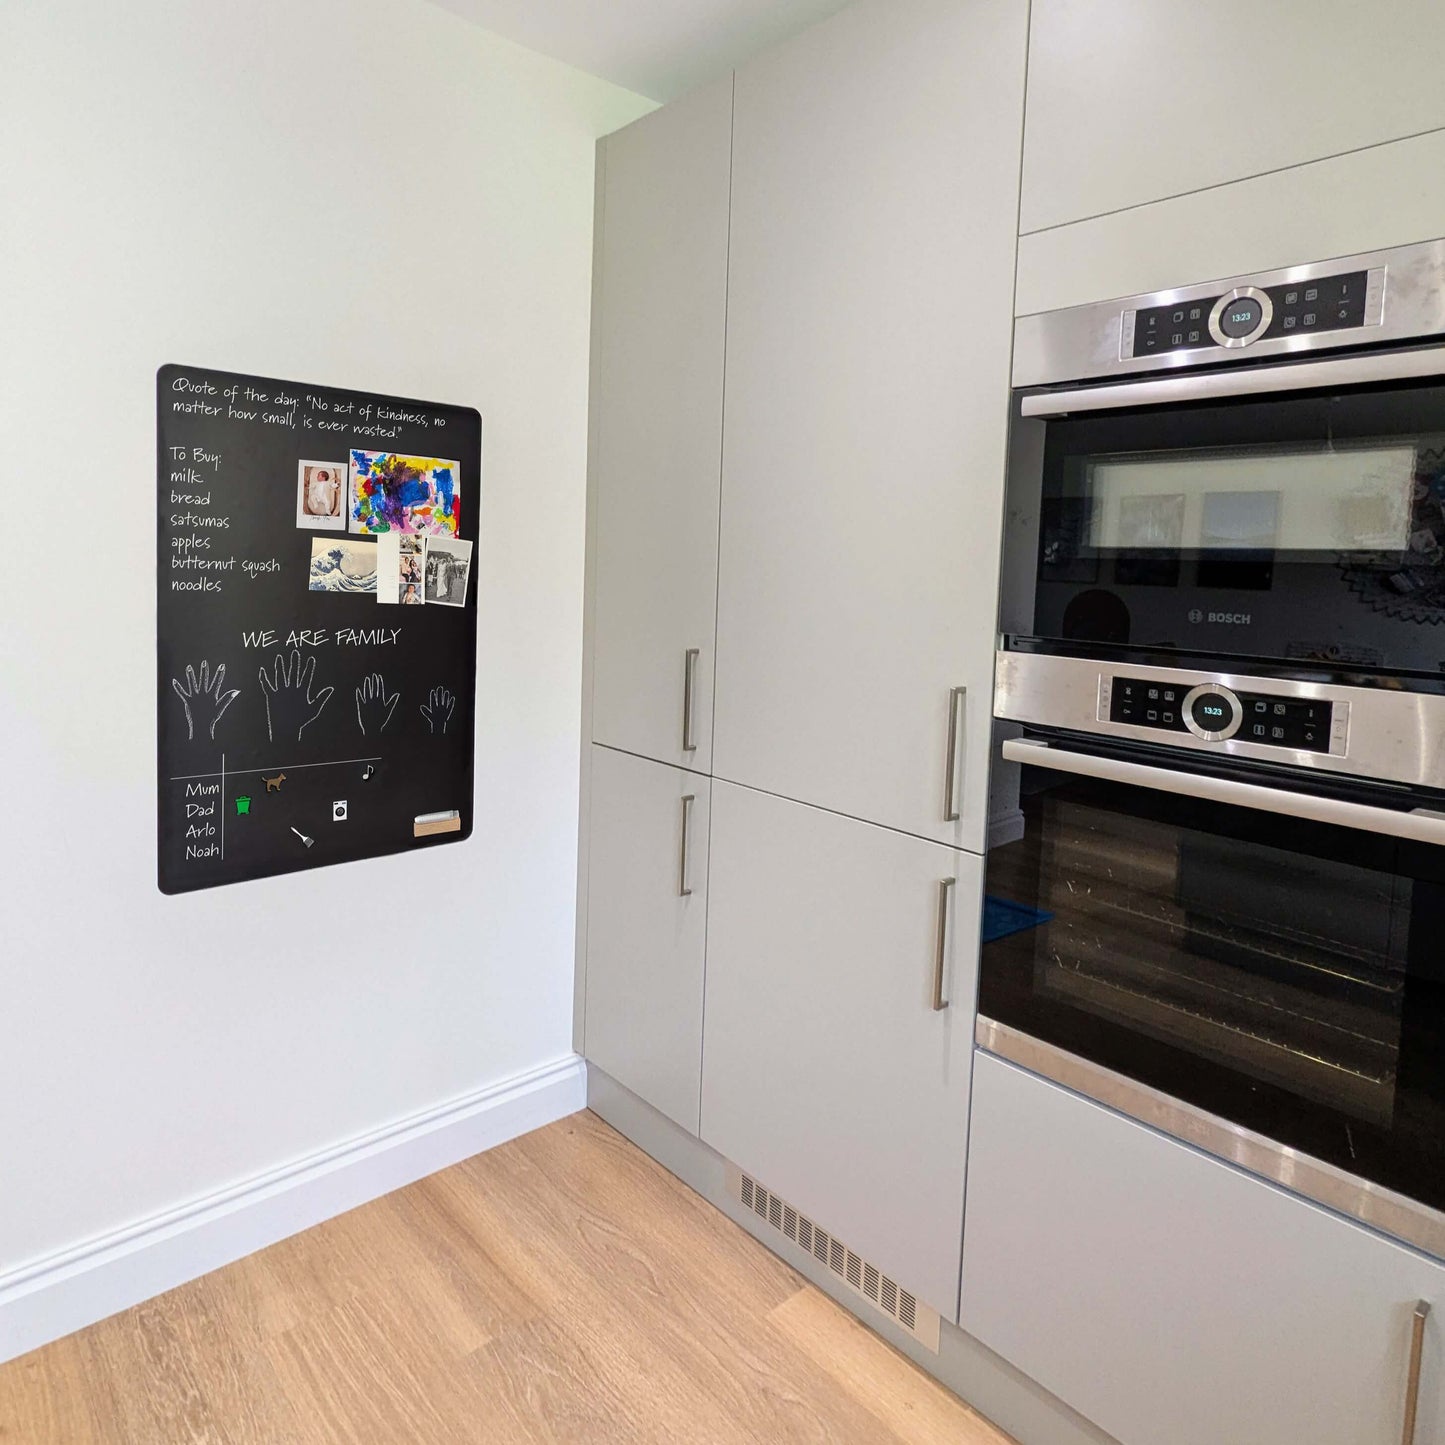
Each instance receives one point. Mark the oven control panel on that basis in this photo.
(1247, 314)
(1215, 713)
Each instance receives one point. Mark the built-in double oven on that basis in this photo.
(1215, 889)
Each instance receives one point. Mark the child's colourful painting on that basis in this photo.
(391, 493)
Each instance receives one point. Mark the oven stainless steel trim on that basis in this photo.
(1077, 342)
(1385, 734)
(1394, 1214)
(1217, 385)
(1418, 825)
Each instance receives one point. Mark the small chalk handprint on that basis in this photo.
(373, 707)
(291, 706)
(438, 708)
(203, 698)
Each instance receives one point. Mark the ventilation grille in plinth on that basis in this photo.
(864, 1279)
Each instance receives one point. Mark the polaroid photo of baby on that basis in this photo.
(321, 496)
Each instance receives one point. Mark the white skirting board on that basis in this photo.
(51, 1297)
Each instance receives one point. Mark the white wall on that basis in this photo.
(360, 193)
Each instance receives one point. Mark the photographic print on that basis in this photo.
(412, 495)
(399, 568)
(321, 496)
(447, 569)
(339, 564)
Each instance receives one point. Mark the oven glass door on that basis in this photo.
(1283, 974)
(1302, 527)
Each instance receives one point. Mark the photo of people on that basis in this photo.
(400, 565)
(448, 568)
(321, 496)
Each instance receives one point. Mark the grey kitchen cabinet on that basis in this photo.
(1270, 221)
(660, 298)
(837, 1048)
(646, 928)
(1175, 1300)
(1140, 100)
(875, 188)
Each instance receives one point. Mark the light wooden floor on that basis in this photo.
(562, 1288)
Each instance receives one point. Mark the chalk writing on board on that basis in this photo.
(266, 638)
(243, 402)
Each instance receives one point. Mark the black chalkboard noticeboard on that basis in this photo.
(316, 625)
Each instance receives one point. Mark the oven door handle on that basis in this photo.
(1418, 825)
(1243, 381)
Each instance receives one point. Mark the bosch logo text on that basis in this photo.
(1231, 619)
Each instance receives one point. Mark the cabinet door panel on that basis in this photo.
(657, 435)
(1164, 97)
(827, 1072)
(645, 936)
(1174, 1300)
(875, 184)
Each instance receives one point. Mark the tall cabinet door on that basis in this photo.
(646, 916)
(874, 220)
(838, 1036)
(660, 304)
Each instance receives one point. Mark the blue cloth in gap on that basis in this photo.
(1001, 918)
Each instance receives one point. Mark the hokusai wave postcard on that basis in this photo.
(339, 564)
(394, 493)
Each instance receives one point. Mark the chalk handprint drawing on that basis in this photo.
(292, 704)
(373, 707)
(438, 709)
(203, 698)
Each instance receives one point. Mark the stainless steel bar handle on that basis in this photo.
(1241, 381)
(683, 891)
(950, 767)
(1419, 826)
(940, 950)
(689, 675)
(1412, 1382)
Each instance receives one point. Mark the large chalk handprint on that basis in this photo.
(373, 707)
(438, 708)
(203, 699)
(291, 706)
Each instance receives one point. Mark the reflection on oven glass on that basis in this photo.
(1151, 521)
(1247, 521)
(1282, 967)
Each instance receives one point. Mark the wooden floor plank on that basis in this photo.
(917, 1409)
(48, 1396)
(562, 1289)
